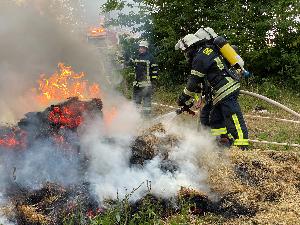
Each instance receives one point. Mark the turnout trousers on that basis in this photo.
(226, 118)
(205, 114)
(143, 95)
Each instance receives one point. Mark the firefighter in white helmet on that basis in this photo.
(209, 68)
(146, 74)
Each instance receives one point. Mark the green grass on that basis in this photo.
(146, 212)
(149, 212)
(284, 96)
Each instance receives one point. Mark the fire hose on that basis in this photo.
(271, 102)
(257, 96)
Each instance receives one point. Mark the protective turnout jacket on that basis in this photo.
(209, 67)
(223, 112)
(146, 70)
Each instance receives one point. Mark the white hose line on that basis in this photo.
(271, 102)
(274, 143)
(272, 118)
(249, 116)
(168, 106)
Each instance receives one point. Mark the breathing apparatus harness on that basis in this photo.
(231, 60)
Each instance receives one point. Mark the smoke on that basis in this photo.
(112, 175)
(42, 164)
(3, 220)
(34, 38)
(35, 35)
(92, 11)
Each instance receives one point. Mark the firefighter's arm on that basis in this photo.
(128, 61)
(194, 84)
(153, 69)
(191, 90)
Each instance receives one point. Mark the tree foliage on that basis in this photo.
(266, 32)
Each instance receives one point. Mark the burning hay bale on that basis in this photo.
(55, 123)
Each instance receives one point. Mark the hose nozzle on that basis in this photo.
(185, 109)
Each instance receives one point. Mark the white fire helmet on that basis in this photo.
(144, 44)
(186, 42)
(206, 34)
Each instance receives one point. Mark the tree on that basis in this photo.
(266, 32)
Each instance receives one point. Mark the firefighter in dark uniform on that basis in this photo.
(204, 115)
(146, 73)
(207, 66)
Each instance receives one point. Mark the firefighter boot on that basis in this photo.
(244, 147)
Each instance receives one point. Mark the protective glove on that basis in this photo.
(182, 99)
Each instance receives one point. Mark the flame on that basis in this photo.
(14, 139)
(66, 116)
(97, 31)
(63, 84)
(9, 141)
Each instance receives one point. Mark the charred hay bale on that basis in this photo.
(144, 148)
(153, 142)
(156, 128)
(198, 202)
(31, 204)
(52, 203)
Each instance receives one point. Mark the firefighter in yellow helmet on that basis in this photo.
(208, 67)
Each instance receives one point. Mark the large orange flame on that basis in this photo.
(63, 84)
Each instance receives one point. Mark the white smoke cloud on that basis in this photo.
(4, 221)
(43, 163)
(111, 174)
